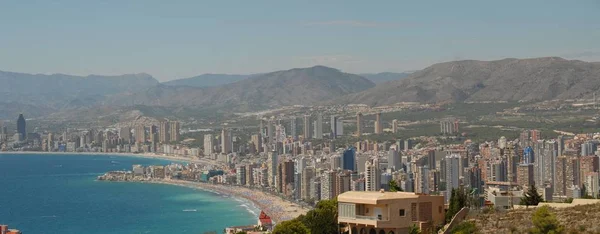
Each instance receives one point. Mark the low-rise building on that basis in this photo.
(390, 212)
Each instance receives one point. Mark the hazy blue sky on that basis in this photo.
(176, 39)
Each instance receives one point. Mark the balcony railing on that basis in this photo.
(380, 218)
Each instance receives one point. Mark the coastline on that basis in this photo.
(144, 155)
(277, 208)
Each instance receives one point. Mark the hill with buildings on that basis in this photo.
(207, 80)
(534, 79)
(299, 86)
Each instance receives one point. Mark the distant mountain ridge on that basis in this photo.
(535, 79)
(207, 80)
(299, 86)
(58, 91)
(385, 76)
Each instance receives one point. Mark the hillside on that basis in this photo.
(384, 76)
(207, 80)
(578, 219)
(300, 86)
(42, 94)
(507, 80)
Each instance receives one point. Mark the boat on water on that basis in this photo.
(114, 162)
(190, 210)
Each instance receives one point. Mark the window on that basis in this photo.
(402, 213)
(440, 209)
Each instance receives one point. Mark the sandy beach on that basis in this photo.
(144, 155)
(276, 207)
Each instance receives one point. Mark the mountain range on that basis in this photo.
(534, 79)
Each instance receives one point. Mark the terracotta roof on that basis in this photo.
(264, 218)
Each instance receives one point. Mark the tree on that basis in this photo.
(394, 186)
(322, 219)
(458, 200)
(414, 230)
(531, 197)
(291, 227)
(465, 227)
(544, 222)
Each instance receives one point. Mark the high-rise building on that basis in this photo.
(342, 183)
(293, 127)
(587, 164)
(564, 176)
(372, 176)
(308, 173)
(21, 128)
(257, 142)
(163, 132)
(395, 126)
(240, 172)
(306, 126)
(208, 144)
(328, 185)
(285, 177)
(174, 131)
(271, 134)
(394, 159)
(422, 180)
(125, 134)
(359, 124)
(349, 159)
(452, 173)
(140, 134)
(591, 184)
(528, 155)
(319, 127)
(333, 126)
(378, 123)
(525, 176)
(226, 141)
(272, 162)
(449, 126)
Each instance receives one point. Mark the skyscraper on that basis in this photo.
(257, 142)
(226, 141)
(140, 134)
(394, 159)
(395, 126)
(372, 176)
(125, 134)
(378, 124)
(208, 144)
(306, 126)
(163, 132)
(349, 159)
(359, 124)
(21, 128)
(308, 174)
(319, 127)
(174, 130)
(333, 123)
(272, 161)
(293, 127)
(452, 173)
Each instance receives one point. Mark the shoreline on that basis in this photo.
(143, 155)
(277, 208)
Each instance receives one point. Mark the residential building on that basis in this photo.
(389, 212)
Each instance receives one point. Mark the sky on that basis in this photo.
(178, 39)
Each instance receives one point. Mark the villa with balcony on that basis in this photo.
(371, 212)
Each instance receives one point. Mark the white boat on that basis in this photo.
(190, 210)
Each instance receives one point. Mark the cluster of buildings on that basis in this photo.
(162, 139)
(4, 230)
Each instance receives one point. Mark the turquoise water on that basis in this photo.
(59, 194)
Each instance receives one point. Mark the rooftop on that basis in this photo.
(371, 197)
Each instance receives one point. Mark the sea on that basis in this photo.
(60, 194)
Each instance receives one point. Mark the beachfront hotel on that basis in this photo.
(379, 212)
